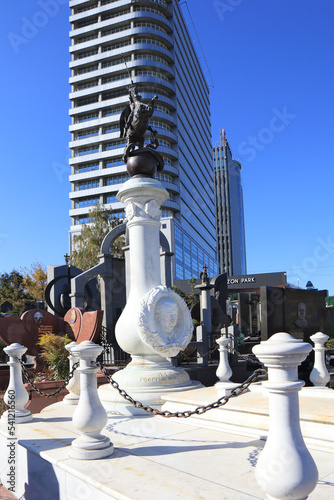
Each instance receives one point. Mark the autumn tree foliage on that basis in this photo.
(88, 243)
(35, 280)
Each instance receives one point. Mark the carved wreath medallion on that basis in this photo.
(164, 321)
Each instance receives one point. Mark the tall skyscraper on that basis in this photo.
(229, 210)
(113, 40)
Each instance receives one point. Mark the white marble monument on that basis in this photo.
(156, 323)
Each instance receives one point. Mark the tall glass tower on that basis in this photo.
(147, 40)
(229, 210)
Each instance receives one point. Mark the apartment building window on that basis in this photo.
(87, 167)
(150, 25)
(112, 111)
(149, 9)
(87, 202)
(86, 85)
(81, 220)
(87, 69)
(162, 125)
(114, 145)
(115, 162)
(115, 62)
(87, 53)
(86, 133)
(116, 30)
(110, 128)
(86, 100)
(81, 186)
(116, 179)
(151, 41)
(111, 15)
(114, 78)
(87, 150)
(151, 57)
(110, 198)
(163, 177)
(86, 117)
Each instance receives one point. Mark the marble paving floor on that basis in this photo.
(153, 456)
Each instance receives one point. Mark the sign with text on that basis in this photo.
(256, 280)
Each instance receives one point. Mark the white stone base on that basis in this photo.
(85, 448)
(225, 388)
(146, 380)
(21, 416)
(70, 399)
(248, 414)
(319, 391)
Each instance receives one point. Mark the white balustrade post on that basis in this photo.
(16, 395)
(73, 386)
(89, 417)
(319, 376)
(286, 469)
(224, 371)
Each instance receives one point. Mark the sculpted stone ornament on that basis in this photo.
(130, 211)
(152, 208)
(164, 321)
(134, 123)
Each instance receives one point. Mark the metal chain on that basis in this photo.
(45, 394)
(244, 356)
(210, 350)
(232, 350)
(185, 414)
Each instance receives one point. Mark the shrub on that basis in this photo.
(330, 343)
(55, 354)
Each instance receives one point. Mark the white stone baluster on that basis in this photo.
(73, 386)
(16, 395)
(286, 469)
(224, 371)
(89, 417)
(319, 376)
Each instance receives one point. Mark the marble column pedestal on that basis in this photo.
(149, 375)
(146, 379)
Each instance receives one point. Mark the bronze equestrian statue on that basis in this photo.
(134, 122)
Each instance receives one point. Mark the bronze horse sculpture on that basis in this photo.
(134, 122)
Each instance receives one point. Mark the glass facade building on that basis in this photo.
(148, 40)
(229, 211)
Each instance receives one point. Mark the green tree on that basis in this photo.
(35, 280)
(12, 289)
(87, 245)
(190, 298)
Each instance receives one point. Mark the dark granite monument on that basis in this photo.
(77, 324)
(298, 312)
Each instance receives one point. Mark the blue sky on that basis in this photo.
(271, 63)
